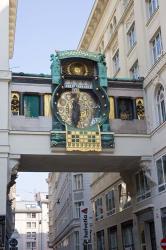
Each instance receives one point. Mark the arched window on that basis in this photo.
(161, 104)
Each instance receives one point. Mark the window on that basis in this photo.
(112, 238)
(28, 244)
(152, 6)
(28, 224)
(131, 35)
(142, 186)
(115, 59)
(110, 203)
(31, 105)
(28, 215)
(98, 209)
(124, 197)
(28, 234)
(163, 220)
(78, 181)
(161, 105)
(161, 172)
(134, 71)
(31, 245)
(34, 235)
(77, 208)
(125, 109)
(127, 233)
(77, 241)
(33, 224)
(33, 215)
(100, 240)
(156, 47)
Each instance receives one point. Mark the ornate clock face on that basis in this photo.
(78, 109)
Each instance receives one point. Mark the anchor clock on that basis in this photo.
(80, 105)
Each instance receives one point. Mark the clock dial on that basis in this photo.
(79, 109)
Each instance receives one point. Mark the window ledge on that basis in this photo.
(78, 190)
(163, 191)
(99, 219)
(151, 17)
(111, 212)
(115, 74)
(156, 62)
(146, 198)
(131, 49)
(158, 128)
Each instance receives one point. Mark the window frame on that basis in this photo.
(31, 94)
(152, 7)
(156, 46)
(161, 104)
(77, 240)
(163, 220)
(134, 70)
(129, 228)
(28, 223)
(100, 239)
(162, 186)
(98, 209)
(110, 202)
(78, 182)
(131, 37)
(116, 62)
(112, 231)
(142, 192)
(77, 208)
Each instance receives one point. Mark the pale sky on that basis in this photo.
(43, 27)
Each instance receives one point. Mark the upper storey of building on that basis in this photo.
(31, 109)
(131, 34)
(8, 10)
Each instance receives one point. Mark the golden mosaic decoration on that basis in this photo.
(83, 140)
(77, 68)
(87, 104)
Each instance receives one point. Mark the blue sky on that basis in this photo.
(43, 27)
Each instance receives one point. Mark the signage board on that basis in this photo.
(163, 243)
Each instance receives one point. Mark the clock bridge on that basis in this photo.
(77, 119)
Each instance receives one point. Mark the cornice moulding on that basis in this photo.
(12, 25)
(94, 18)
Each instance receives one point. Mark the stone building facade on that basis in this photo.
(31, 223)
(69, 195)
(130, 207)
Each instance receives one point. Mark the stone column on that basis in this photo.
(136, 236)
(134, 108)
(41, 104)
(116, 107)
(3, 192)
(21, 103)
